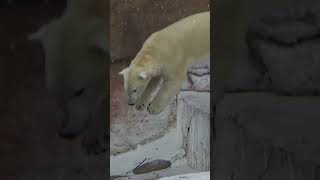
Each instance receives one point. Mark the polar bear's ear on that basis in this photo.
(124, 71)
(142, 75)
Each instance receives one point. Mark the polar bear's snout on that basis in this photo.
(131, 101)
(132, 97)
(135, 82)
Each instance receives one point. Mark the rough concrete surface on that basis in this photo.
(272, 135)
(194, 115)
(289, 50)
(194, 176)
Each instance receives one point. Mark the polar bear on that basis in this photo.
(166, 55)
(76, 58)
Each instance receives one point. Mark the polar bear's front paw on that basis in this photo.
(140, 106)
(155, 108)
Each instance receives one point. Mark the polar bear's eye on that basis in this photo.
(134, 91)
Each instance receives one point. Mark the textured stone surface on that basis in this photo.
(183, 169)
(267, 136)
(194, 176)
(288, 46)
(133, 128)
(193, 114)
(198, 77)
(270, 136)
(290, 123)
(293, 70)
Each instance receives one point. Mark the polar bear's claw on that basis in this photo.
(140, 107)
(154, 109)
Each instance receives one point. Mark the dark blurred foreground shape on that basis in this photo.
(267, 126)
(30, 146)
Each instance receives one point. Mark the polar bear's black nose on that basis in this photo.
(131, 104)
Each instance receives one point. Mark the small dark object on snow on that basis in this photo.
(151, 166)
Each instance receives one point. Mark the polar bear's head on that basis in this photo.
(138, 75)
(136, 80)
(76, 74)
(142, 69)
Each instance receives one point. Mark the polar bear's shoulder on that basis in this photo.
(195, 21)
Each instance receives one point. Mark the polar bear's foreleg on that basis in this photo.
(146, 95)
(167, 92)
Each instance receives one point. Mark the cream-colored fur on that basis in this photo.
(167, 54)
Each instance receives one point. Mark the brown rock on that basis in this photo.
(151, 166)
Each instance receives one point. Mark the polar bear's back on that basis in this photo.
(199, 21)
(193, 35)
